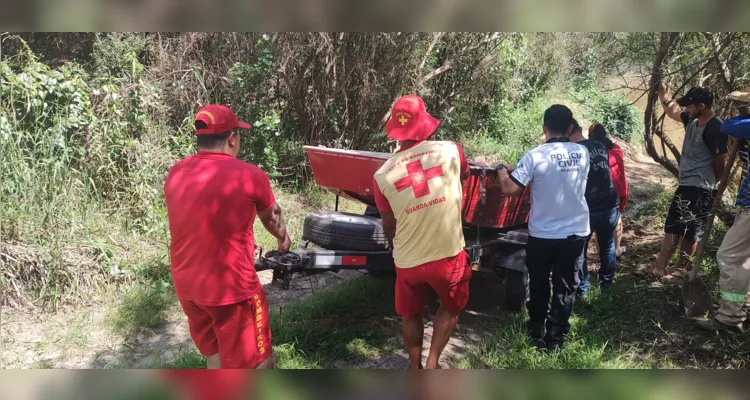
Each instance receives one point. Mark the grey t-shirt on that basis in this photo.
(701, 144)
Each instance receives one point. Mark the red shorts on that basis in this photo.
(449, 277)
(238, 332)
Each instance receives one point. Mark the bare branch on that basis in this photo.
(435, 40)
(726, 75)
(649, 118)
(448, 64)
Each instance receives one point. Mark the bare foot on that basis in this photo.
(658, 273)
(651, 272)
(678, 273)
(664, 275)
(644, 272)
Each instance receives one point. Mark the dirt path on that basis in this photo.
(82, 337)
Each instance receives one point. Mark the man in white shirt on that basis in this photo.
(556, 172)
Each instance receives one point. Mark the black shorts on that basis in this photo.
(689, 211)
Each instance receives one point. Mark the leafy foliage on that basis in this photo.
(250, 93)
(119, 55)
(615, 112)
(67, 139)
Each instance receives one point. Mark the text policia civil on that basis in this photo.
(568, 162)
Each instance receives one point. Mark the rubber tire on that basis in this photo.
(343, 231)
(516, 290)
(371, 211)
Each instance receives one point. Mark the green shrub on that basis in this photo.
(472, 112)
(117, 55)
(250, 93)
(71, 145)
(615, 112)
(538, 63)
(584, 74)
(519, 129)
(511, 130)
(44, 117)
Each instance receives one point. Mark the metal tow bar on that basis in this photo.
(283, 266)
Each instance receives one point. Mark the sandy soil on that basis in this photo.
(80, 338)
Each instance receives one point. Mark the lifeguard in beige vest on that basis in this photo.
(418, 194)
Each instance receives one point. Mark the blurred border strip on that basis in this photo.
(372, 15)
(394, 385)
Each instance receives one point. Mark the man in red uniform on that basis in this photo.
(418, 194)
(212, 200)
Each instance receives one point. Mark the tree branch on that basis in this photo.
(435, 41)
(448, 64)
(726, 75)
(649, 117)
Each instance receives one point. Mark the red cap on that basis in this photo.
(218, 119)
(410, 120)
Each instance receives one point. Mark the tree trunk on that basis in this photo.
(649, 118)
(666, 141)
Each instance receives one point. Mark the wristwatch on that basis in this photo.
(666, 103)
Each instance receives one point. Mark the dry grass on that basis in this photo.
(31, 273)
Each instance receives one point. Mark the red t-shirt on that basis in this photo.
(617, 170)
(212, 200)
(382, 202)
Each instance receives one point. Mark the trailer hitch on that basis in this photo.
(283, 265)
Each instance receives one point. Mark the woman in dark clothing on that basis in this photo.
(604, 213)
(617, 169)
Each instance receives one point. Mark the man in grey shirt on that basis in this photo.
(704, 157)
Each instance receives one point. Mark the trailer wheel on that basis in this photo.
(343, 231)
(371, 211)
(516, 290)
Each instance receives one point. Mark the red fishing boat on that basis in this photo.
(349, 173)
(494, 224)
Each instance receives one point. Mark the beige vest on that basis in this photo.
(423, 186)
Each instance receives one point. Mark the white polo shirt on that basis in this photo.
(556, 172)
